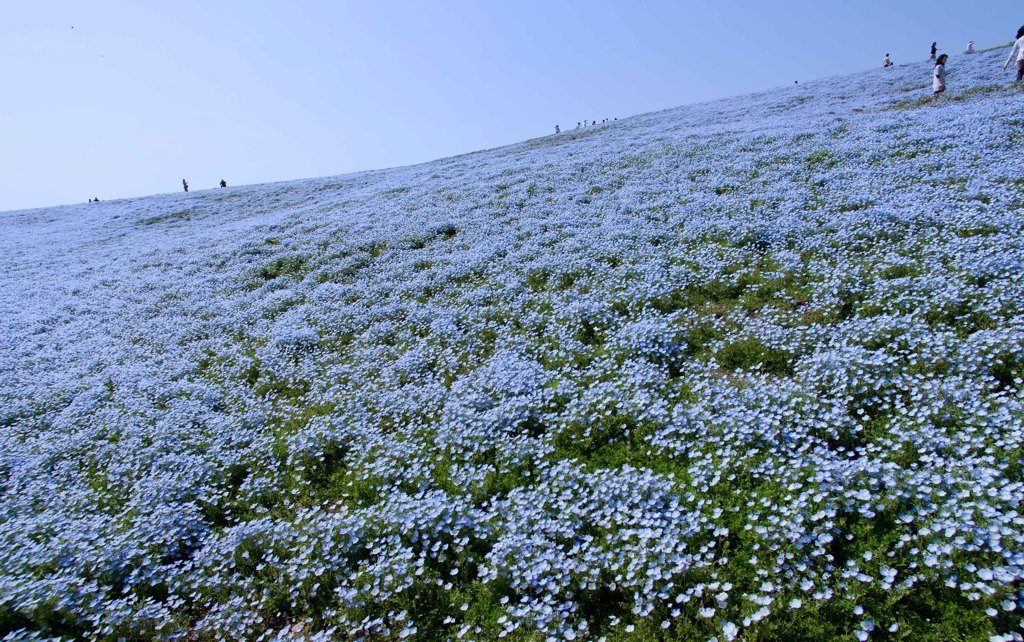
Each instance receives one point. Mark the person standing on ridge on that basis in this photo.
(558, 129)
(934, 50)
(223, 183)
(184, 184)
(886, 62)
(1017, 53)
(939, 81)
(970, 46)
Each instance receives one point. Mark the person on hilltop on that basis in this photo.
(1017, 53)
(970, 47)
(886, 62)
(939, 80)
(223, 183)
(935, 49)
(558, 130)
(184, 184)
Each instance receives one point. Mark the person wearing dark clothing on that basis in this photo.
(184, 184)
(934, 50)
(223, 183)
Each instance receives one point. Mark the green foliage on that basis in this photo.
(853, 206)
(1008, 371)
(914, 103)
(293, 265)
(537, 280)
(446, 232)
(751, 352)
(901, 271)
(611, 440)
(983, 90)
(181, 215)
(821, 160)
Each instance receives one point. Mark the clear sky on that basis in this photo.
(118, 98)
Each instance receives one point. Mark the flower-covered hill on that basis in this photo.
(750, 369)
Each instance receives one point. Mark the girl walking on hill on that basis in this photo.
(939, 81)
(1017, 53)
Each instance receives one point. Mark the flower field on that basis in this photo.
(745, 370)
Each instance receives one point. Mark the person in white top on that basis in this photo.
(887, 62)
(939, 82)
(970, 47)
(1017, 53)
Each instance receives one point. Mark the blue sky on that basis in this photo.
(116, 99)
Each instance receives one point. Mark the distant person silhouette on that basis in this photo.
(934, 50)
(970, 47)
(939, 80)
(1017, 53)
(223, 183)
(557, 130)
(184, 184)
(887, 62)
(96, 200)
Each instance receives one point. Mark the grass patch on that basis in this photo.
(181, 215)
(751, 353)
(821, 160)
(293, 265)
(980, 230)
(612, 441)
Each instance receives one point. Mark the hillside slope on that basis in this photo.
(749, 369)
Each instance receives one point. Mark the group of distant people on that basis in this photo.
(939, 76)
(184, 183)
(591, 123)
(586, 123)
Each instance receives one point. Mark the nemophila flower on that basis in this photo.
(329, 400)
